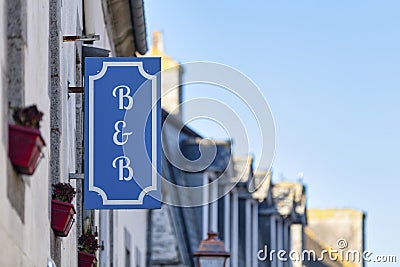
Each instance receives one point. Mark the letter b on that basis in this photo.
(122, 166)
(121, 96)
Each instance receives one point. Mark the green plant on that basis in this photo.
(28, 117)
(63, 192)
(88, 243)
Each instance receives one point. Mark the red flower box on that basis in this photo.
(62, 217)
(24, 148)
(86, 259)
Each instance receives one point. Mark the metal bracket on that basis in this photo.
(76, 176)
(83, 38)
(75, 90)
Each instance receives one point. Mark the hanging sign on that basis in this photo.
(122, 133)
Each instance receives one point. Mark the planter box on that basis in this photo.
(86, 259)
(62, 217)
(24, 148)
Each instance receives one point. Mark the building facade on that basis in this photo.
(43, 46)
(341, 230)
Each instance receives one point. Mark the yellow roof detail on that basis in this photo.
(157, 50)
(331, 213)
(310, 234)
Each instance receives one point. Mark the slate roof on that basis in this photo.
(176, 227)
(202, 151)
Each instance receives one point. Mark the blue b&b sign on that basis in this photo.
(122, 133)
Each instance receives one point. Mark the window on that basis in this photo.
(138, 257)
(127, 258)
(127, 237)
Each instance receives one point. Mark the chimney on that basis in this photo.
(171, 78)
(158, 41)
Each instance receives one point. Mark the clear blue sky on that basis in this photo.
(330, 71)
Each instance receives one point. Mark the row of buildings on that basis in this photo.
(43, 46)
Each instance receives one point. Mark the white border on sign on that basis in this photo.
(153, 186)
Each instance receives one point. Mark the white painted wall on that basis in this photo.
(27, 242)
(170, 91)
(95, 23)
(3, 126)
(135, 223)
(297, 242)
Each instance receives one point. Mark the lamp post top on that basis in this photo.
(212, 246)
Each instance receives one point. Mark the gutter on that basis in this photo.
(139, 26)
(126, 26)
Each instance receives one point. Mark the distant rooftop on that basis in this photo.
(157, 50)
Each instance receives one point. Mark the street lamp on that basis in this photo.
(211, 252)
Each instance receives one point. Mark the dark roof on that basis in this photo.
(191, 148)
(185, 129)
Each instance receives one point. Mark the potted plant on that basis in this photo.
(25, 142)
(62, 211)
(88, 245)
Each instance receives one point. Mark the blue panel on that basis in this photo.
(122, 133)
